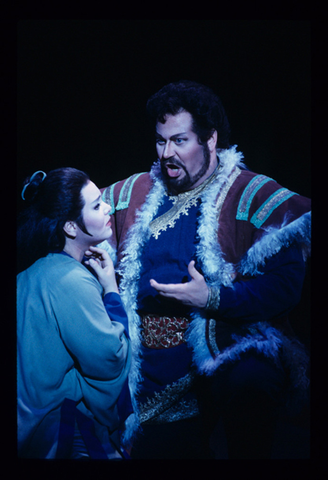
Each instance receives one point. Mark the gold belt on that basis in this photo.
(163, 332)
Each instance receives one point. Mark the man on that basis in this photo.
(211, 258)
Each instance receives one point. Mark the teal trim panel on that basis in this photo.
(264, 212)
(249, 193)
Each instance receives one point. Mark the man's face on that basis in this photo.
(184, 162)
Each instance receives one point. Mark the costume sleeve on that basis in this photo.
(115, 310)
(269, 295)
(97, 344)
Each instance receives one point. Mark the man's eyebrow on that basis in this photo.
(157, 135)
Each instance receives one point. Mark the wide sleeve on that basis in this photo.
(98, 345)
(115, 310)
(269, 295)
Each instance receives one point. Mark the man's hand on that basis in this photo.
(102, 264)
(193, 293)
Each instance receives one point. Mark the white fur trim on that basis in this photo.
(276, 238)
(129, 269)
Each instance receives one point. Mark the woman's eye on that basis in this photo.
(97, 206)
(179, 140)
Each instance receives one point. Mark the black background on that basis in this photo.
(82, 87)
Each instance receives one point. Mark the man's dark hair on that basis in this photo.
(200, 101)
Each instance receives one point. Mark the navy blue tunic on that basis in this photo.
(166, 259)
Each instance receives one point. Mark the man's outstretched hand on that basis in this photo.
(193, 293)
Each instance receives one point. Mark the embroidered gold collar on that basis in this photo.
(180, 206)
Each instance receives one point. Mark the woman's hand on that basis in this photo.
(102, 264)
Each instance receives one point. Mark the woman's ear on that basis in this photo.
(70, 229)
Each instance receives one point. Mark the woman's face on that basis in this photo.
(95, 214)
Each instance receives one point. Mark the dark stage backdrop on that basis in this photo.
(83, 86)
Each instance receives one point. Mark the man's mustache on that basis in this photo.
(172, 161)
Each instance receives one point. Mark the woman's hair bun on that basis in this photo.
(31, 185)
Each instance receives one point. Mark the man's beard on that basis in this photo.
(176, 185)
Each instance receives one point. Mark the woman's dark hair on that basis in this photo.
(200, 101)
(50, 204)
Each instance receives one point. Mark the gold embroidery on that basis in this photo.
(163, 332)
(212, 336)
(166, 399)
(181, 205)
(180, 411)
(213, 300)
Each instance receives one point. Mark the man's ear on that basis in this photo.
(70, 229)
(211, 142)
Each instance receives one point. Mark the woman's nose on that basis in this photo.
(106, 208)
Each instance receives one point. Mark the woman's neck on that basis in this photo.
(74, 250)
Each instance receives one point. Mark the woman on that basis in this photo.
(73, 348)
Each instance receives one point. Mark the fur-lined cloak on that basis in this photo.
(245, 220)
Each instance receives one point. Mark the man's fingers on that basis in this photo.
(159, 286)
(169, 289)
(193, 272)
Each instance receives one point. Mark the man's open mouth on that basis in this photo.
(172, 170)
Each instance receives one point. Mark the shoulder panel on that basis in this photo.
(265, 210)
(125, 194)
(249, 193)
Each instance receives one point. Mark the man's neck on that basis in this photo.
(210, 172)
